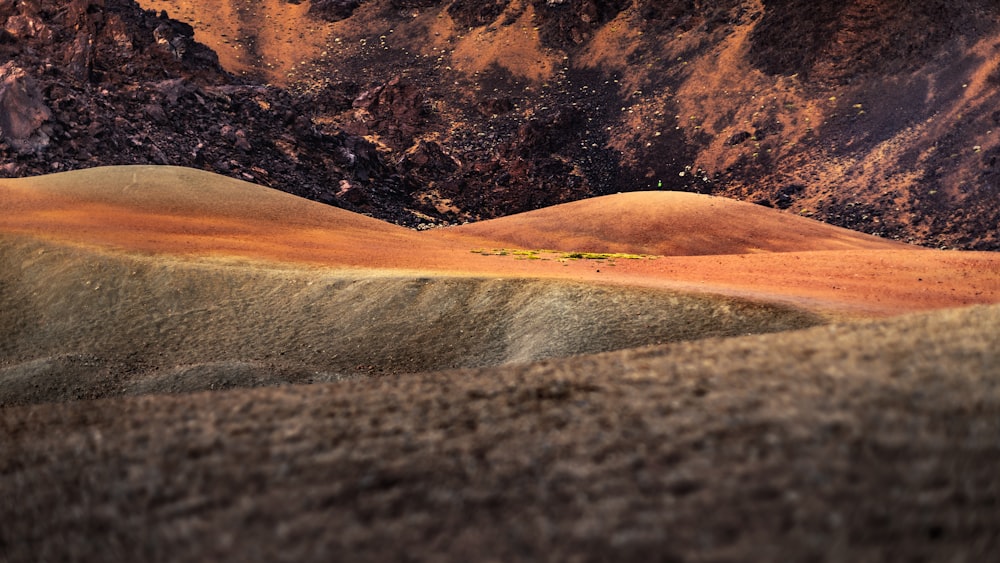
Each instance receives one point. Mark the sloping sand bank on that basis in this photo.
(670, 224)
(78, 323)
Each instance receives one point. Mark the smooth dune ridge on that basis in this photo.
(183, 212)
(179, 211)
(670, 224)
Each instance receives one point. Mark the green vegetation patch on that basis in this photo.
(521, 254)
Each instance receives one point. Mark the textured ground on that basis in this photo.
(194, 367)
(82, 325)
(840, 443)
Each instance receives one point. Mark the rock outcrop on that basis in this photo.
(23, 113)
(103, 82)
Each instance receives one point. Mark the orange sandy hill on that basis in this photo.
(791, 259)
(184, 211)
(670, 224)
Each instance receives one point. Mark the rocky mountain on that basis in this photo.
(100, 82)
(878, 115)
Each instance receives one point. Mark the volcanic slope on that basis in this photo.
(137, 279)
(876, 115)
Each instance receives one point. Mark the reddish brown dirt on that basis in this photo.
(878, 116)
(177, 211)
(253, 39)
(668, 224)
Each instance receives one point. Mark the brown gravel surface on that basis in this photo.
(873, 442)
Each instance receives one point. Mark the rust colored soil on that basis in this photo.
(733, 248)
(670, 224)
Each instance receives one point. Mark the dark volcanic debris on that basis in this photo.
(421, 112)
(104, 83)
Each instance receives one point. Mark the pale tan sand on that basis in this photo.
(82, 324)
